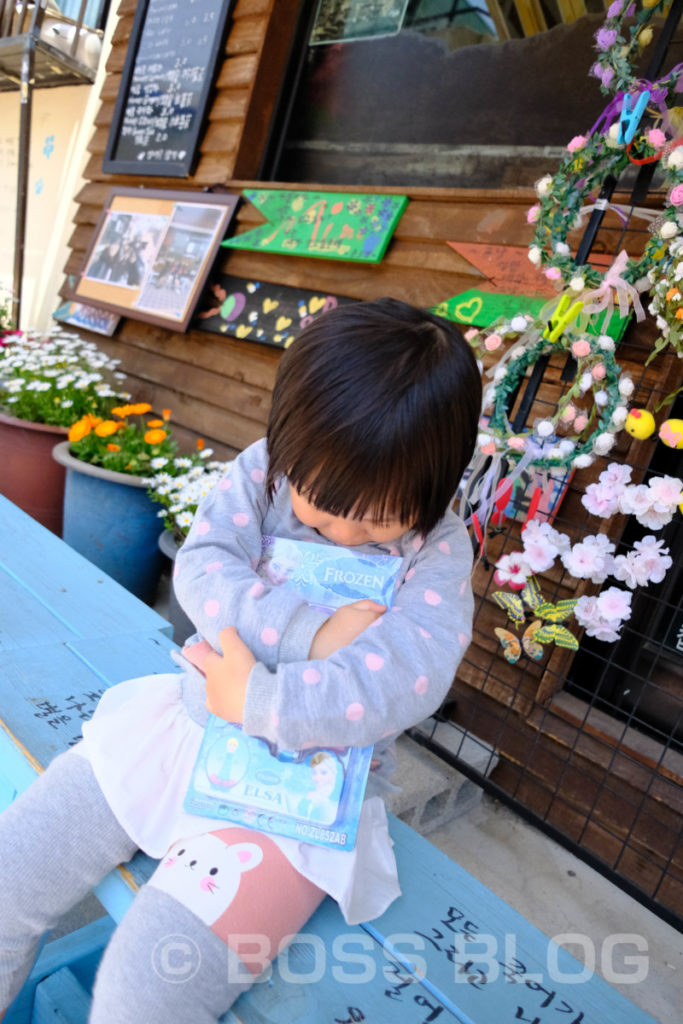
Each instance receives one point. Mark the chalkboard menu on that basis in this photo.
(170, 69)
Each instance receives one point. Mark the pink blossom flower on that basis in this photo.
(513, 570)
(580, 423)
(614, 604)
(553, 273)
(517, 443)
(599, 372)
(493, 342)
(536, 528)
(591, 559)
(533, 214)
(600, 500)
(581, 348)
(676, 196)
(656, 137)
(653, 519)
(588, 614)
(666, 492)
(635, 500)
(616, 476)
(647, 563)
(578, 142)
(569, 412)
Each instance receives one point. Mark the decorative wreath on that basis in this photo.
(576, 432)
(560, 209)
(617, 45)
(666, 301)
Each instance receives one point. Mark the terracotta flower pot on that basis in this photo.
(111, 520)
(29, 476)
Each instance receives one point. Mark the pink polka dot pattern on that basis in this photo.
(431, 597)
(418, 543)
(274, 720)
(374, 661)
(240, 519)
(393, 550)
(203, 527)
(212, 608)
(463, 586)
(444, 547)
(311, 676)
(423, 632)
(269, 636)
(355, 712)
(375, 622)
(176, 570)
(225, 484)
(421, 684)
(257, 589)
(258, 476)
(214, 566)
(464, 639)
(410, 574)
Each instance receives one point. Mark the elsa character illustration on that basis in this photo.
(318, 804)
(233, 765)
(280, 561)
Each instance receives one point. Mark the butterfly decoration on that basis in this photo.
(512, 647)
(545, 629)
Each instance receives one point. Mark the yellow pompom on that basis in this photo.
(640, 423)
(671, 433)
(645, 37)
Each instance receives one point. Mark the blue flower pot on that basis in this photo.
(110, 519)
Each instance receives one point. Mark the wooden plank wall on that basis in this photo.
(219, 387)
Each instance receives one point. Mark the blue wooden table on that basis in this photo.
(449, 949)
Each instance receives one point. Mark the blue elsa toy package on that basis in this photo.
(315, 794)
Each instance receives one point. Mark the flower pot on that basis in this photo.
(110, 519)
(182, 626)
(29, 476)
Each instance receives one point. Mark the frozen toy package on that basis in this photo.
(314, 794)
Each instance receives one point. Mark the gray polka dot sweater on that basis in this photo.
(395, 674)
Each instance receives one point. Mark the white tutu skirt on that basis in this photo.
(142, 745)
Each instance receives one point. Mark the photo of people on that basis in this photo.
(126, 249)
(151, 253)
(174, 273)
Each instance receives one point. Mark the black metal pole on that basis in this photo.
(25, 112)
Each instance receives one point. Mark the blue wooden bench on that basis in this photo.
(448, 949)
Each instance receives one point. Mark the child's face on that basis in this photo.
(347, 531)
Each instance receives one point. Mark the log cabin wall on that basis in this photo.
(579, 779)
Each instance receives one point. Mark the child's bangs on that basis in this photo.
(349, 487)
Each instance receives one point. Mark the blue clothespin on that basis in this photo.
(630, 119)
(561, 317)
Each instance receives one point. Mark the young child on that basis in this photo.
(374, 418)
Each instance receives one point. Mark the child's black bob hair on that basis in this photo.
(374, 412)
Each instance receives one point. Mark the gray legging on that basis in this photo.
(58, 840)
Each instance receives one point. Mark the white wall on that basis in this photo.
(62, 125)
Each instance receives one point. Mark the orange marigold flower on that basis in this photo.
(106, 428)
(166, 413)
(122, 411)
(200, 443)
(670, 294)
(155, 423)
(155, 436)
(81, 428)
(113, 447)
(140, 408)
(679, 313)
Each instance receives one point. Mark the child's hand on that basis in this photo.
(343, 626)
(227, 676)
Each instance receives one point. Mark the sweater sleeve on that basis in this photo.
(215, 579)
(396, 673)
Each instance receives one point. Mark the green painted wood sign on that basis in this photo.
(328, 225)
